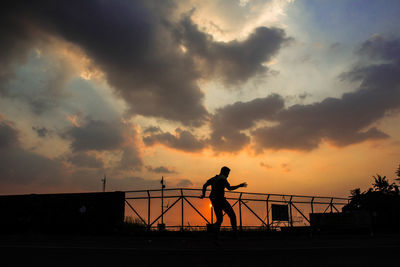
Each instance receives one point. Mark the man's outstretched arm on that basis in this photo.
(234, 187)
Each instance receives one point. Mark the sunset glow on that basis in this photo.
(295, 96)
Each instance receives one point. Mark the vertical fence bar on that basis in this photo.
(162, 200)
(240, 212)
(267, 202)
(331, 205)
(290, 211)
(312, 205)
(148, 208)
(182, 210)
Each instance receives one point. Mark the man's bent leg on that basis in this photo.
(218, 214)
(231, 213)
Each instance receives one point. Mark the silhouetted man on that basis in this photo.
(217, 196)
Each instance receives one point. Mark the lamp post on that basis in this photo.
(212, 219)
(210, 226)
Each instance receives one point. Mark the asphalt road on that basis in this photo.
(200, 249)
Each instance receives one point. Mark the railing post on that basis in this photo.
(312, 205)
(331, 205)
(267, 202)
(240, 212)
(162, 200)
(182, 210)
(148, 209)
(290, 211)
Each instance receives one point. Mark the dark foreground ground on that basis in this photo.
(200, 249)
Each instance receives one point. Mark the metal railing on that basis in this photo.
(257, 207)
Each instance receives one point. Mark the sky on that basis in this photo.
(295, 96)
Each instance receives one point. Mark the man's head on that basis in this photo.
(225, 171)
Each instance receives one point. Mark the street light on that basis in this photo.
(212, 219)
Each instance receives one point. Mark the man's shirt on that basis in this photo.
(218, 184)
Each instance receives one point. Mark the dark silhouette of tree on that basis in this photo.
(382, 185)
(398, 173)
(381, 201)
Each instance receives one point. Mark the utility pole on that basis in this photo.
(104, 183)
(162, 199)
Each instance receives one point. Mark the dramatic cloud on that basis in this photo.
(128, 41)
(8, 134)
(41, 82)
(265, 165)
(152, 129)
(182, 140)
(82, 159)
(303, 127)
(15, 42)
(227, 126)
(160, 169)
(341, 121)
(235, 61)
(96, 135)
(19, 166)
(41, 131)
(228, 122)
(184, 183)
(131, 159)
(381, 48)
(152, 60)
(285, 167)
(346, 120)
(32, 172)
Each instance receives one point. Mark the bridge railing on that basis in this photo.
(182, 208)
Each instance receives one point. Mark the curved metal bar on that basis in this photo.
(233, 192)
